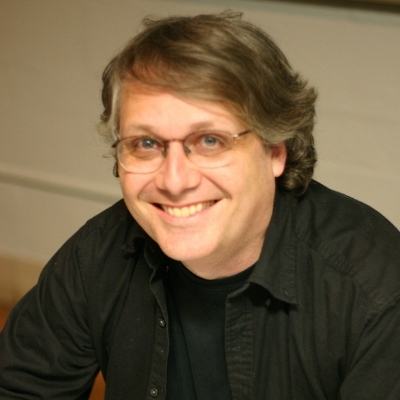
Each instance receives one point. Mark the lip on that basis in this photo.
(186, 211)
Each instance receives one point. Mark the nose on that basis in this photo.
(177, 173)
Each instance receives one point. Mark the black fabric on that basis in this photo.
(318, 319)
(196, 306)
(180, 382)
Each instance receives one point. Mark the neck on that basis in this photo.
(223, 265)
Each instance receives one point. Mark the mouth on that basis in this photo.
(187, 211)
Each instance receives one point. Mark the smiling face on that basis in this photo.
(212, 220)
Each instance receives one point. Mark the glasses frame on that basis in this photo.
(164, 150)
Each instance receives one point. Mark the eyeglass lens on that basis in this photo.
(145, 154)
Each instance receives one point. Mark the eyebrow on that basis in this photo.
(145, 129)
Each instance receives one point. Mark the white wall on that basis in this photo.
(52, 173)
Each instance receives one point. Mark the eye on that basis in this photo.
(209, 143)
(142, 146)
(146, 143)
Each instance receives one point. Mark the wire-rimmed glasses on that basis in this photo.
(206, 149)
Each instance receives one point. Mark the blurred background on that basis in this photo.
(53, 176)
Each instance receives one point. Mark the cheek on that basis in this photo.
(131, 186)
(132, 191)
(258, 169)
(251, 171)
(258, 184)
(247, 185)
(125, 183)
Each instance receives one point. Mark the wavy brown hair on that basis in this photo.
(223, 59)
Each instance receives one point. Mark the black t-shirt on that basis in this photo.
(196, 363)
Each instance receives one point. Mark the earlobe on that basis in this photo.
(278, 158)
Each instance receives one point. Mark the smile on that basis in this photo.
(187, 211)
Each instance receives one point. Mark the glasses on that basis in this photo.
(206, 149)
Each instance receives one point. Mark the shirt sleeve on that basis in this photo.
(46, 349)
(374, 371)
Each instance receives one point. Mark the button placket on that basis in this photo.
(154, 392)
(161, 322)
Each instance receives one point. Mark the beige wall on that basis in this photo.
(52, 173)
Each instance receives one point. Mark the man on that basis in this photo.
(226, 272)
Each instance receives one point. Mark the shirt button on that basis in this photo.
(161, 322)
(267, 302)
(153, 392)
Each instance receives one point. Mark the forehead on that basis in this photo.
(144, 104)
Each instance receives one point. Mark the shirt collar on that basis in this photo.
(275, 269)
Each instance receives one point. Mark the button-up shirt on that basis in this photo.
(319, 317)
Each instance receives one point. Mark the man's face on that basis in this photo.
(212, 220)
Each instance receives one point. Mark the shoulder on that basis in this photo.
(324, 214)
(113, 226)
(353, 239)
(101, 248)
(114, 216)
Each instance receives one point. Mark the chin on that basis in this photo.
(185, 253)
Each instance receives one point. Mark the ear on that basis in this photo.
(278, 158)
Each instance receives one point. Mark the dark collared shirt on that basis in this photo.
(319, 317)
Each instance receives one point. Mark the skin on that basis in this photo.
(224, 212)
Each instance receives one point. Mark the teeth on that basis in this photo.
(187, 211)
